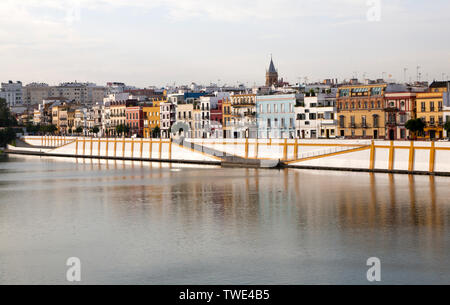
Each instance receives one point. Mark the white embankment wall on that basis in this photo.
(389, 156)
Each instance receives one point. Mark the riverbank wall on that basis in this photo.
(404, 157)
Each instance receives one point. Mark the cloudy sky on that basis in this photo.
(160, 42)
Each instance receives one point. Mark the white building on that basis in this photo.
(12, 93)
(447, 108)
(167, 117)
(316, 117)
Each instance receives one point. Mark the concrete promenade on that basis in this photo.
(402, 157)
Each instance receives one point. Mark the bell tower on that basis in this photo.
(271, 74)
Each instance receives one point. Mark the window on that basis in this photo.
(269, 125)
(431, 106)
(432, 120)
(261, 110)
(423, 106)
(375, 121)
(268, 108)
(275, 108)
(364, 121)
(282, 108)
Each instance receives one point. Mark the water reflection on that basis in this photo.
(180, 224)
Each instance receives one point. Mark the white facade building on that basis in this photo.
(316, 117)
(12, 93)
(167, 117)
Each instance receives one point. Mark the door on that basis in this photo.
(391, 134)
(375, 134)
(432, 134)
(328, 133)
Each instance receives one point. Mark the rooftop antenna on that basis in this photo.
(404, 74)
(418, 74)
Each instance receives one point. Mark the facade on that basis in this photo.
(185, 114)
(167, 118)
(316, 117)
(35, 93)
(216, 121)
(430, 108)
(118, 116)
(276, 116)
(151, 118)
(80, 93)
(12, 93)
(271, 75)
(60, 118)
(400, 107)
(226, 118)
(361, 111)
(243, 108)
(135, 120)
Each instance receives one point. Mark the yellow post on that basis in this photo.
(160, 149)
(151, 148)
(107, 147)
(123, 147)
(92, 146)
(372, 156)
(115, 147)
(76, 147)
(170, 149)
(42, 141)
(84, 146)
(391, 156)
(256, 148)
(432, 156)
(132, 148)
(246, 148)
(411, 157)
(99, 145)
(142, 147)
(296, 150)
(285, 152)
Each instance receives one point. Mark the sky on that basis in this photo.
(166, 42)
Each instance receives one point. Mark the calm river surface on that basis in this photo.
(139, 223)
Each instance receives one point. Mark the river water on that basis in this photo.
(134, 223)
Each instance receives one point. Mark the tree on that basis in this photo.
(7, 135)
(79, 130)
(156, 133)
(416, 127)
(122, 129)
(447, 128)
(95, 130)
(6, 118)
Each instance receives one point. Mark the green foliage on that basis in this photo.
(156, 133)
(79, 130)
(95, 130)
(447, 126)
(7, 136)
(122, 129)
(416, 126)
(6, 118)
(48, 129)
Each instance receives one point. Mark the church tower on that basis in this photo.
(271, 74)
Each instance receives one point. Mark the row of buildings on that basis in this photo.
(354, 110)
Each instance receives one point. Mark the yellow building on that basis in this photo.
(429, 108)
(151, 118)
(361, 113)
(60, 118)
(226, 118)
